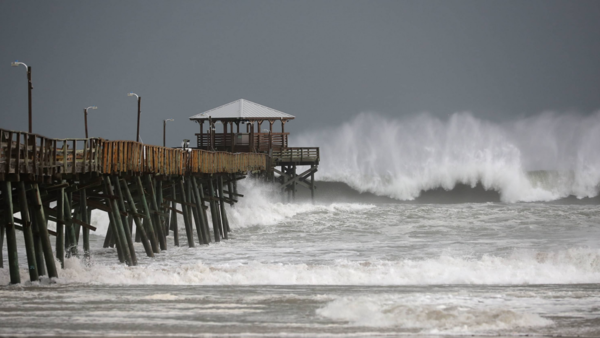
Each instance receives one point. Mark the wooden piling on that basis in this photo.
(203, 226)
(157, 219)
(84, 214)
(119, 230)
(195, 211)
(37, 243)
(173, 224)
(161, 209)
(213, 212)
(139, 228)
(148, 218)
(2, 231)
(60, 227)
(27, 233)
(11, 237)
(77, 215)
(126, 228)
(203, 210)
(42, 227)
(231, 179)
(70, 242)
(109, 234)
(113, 234)
(225, 222)
(186, 214)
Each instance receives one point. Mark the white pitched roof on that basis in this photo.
(242, 109)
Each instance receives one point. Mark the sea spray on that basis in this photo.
(400, 158)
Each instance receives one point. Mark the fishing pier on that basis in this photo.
(141, 187)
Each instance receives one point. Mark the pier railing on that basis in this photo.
(211, 162)
(299, 155)
(243, 142)
(137, 158)
(25, 153)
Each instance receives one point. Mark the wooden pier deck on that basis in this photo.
(139, 186)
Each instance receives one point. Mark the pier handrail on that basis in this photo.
(297, 154)
(25, 153)
(37, 155)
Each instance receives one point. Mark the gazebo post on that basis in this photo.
(231, 136)
(201, 123)
(211, 127)
(252, 137)
(271, 134)
(283, 136)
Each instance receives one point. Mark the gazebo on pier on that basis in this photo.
(242, 112)
(254, 139)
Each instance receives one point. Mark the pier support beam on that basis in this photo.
(225, 221)
(60, 227)
(118, 230)
(37, 243)
(2, 231)
(195, 210)
(157, 219)
(214, 212)
(148, 219)
(139, 228)
(27, 233)
(124, 220)
(70, 242)
(161, 209)
(11, 237)
(173, 224)
(203, 224)
(186, 214)
(42, 228)
(84, 218)
(203, 208)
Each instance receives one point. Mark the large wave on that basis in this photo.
(541, 158)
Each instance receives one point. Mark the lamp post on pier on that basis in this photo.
(85, 113)
(165, 131)
(29, 87)
(139, 100)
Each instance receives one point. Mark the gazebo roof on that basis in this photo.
(242, 110)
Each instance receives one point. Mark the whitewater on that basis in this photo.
(422, 227)
(540, 158)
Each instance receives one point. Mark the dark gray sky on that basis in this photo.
(323, 61)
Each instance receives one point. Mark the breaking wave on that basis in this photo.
(569, 266)
(542, 158)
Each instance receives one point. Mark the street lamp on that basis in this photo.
(165, 131)
(29, 87)
(139, 99)
(85, 113)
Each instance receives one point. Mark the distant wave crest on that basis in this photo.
(541, 158)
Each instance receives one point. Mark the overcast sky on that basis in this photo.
(322, 61)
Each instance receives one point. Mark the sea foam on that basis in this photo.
(447, 315)
(400, 158)
(570, 266)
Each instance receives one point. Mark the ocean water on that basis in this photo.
(415, 250)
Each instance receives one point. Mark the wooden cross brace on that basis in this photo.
(300, 179)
